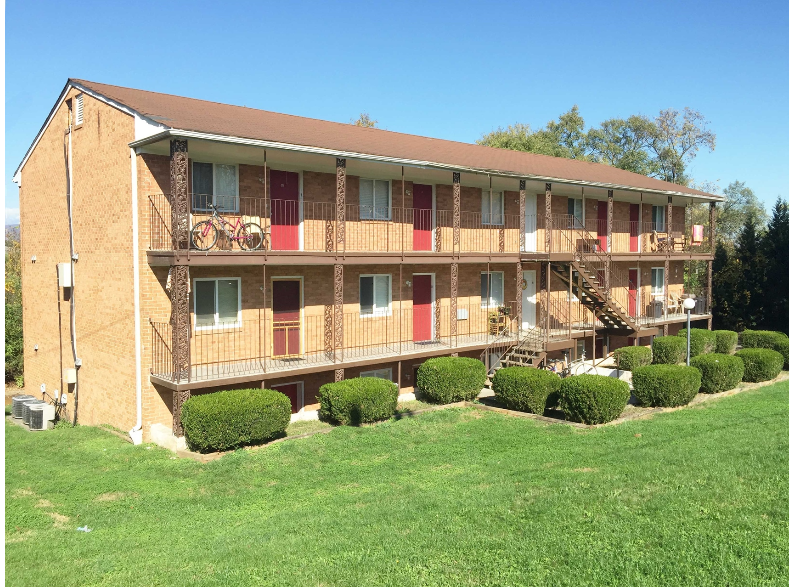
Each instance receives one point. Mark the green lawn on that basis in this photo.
(457, 496)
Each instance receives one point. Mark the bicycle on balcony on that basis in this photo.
(250, 236)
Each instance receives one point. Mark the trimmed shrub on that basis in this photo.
(593, 399)
(725, 341)
(358, 400)
(451, 379)
(701, 341)
(719, 371)
(669, 350)
(525, 388)
(760, 364)
(774, 340)
(666, 385)
(234, 418)
(628, 358)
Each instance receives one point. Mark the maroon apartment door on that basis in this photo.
(423, 308)
(632, 292)
(602, 223)
(286, 306)
(634, 210)
(284, 210)
(423, 217)
(292, 392)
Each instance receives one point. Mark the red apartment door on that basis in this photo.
(292, 392)
(634, 210)
(423, 307)
(602, 223)
(423, 217)
(632, 292)
(284, 210)
(286, 306)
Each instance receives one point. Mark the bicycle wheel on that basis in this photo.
(250, 236)
(204, 235)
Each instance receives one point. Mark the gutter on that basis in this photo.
(136, 432)
(176, 133)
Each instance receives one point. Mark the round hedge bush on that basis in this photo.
(760, 364)
(666, 385)
(719, 371)
(233, 418)
(669, 350)
(525, 388)
(774, 340)
(451, 379)
(358, 400)
(701, 341)
(725, 341)
(593, 399)
(628, 358)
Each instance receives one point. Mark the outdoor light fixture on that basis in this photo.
(688, 304)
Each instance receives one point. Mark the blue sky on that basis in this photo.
(444, 69)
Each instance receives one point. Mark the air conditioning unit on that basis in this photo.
(26, 411)
(17, 408)
(40, 415)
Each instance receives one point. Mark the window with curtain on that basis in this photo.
(375, 295)
(384, 374)
(575, 208)
(658, 283)
(492, 289)
(659, 218)
(216, 302)
(374, 200)
(492, 208)
(214, 183)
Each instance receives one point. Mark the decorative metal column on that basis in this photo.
(544, 301)
(453, 304)
(179, 276)
(609, 240)
(713, 220)
(548, 223)
(670, 224)
(455, 212)
(340, 204)
(665, 292)
(522, 214)
(338, 309)
(519, 294)
(328, 331)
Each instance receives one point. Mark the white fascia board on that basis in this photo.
(400, 161)
(143, 126)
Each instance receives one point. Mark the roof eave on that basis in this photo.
(185, 134)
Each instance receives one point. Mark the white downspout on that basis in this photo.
(136, 432)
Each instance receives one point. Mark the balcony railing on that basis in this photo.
(292, 225)
(262, 345)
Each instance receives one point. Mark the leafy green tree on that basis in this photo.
(623, 143)
(750, 255)
(13, 307)
(675, 142)
(365, 120)
(727, 295)
(741, 203)
(776, 253)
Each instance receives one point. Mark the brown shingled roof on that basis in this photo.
(190, 114)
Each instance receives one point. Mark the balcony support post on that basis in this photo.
(518, 295)
(522, 215)
(608, 240)
(453, 305)
(548, 223)
(179, 195)
(709, 264)
(665, 293)
(455, 212)
(544, 301)
(338, 312)
(670, 225)
(340, 204)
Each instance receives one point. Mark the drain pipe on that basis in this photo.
(136, 432)
(74, 257)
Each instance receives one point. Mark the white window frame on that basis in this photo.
(486, 302)
(375, 204)
(213, 186)
(217, 324)
(375, 374)
(579, 201)
(658, 228)
(488, 195)
(79, 109)
(652, 292)
(376, 310)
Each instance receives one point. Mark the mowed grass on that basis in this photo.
(456, 496)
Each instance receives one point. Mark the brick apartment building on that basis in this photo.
(377, 251)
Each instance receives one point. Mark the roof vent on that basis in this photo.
(78, 110)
